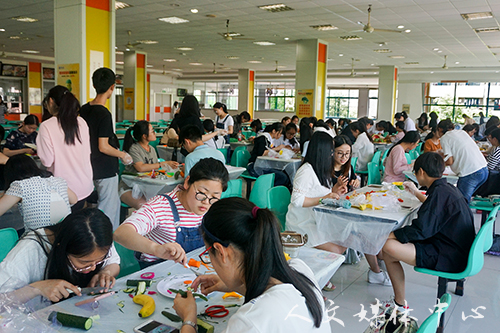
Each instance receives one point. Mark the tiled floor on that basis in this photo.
(482, 289)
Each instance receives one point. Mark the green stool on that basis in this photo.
(258, 195)
(278, 199)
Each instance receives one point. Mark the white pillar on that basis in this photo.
(387, 89)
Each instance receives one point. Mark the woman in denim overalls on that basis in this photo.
(149, 230)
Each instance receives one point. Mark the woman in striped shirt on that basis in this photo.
(166, 227)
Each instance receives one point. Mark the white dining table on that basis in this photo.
(113, 318)
(450, 176)
(288, 165)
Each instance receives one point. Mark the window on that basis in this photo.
(209, 93)
(372, 103)
(342, 103)
(274, 96)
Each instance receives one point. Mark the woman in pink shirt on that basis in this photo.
(396, 162)
(63, 144)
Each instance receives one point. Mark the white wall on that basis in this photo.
(410, 93)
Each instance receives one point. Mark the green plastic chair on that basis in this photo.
(240, 158)
(8, 239)
(481, 244)
(128, 262)
(430, 324)
(373, 174)
(354, 160)
(258, 195)
(234, 188)
(375, 159)
(224, 152)
(408, 158)
(278, 199)
(121, 131)
(414, 154)
(384, 156)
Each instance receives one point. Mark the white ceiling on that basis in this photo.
(433, 24)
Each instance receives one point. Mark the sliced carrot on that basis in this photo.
(194, 263)
(188, 282)
(231, 294)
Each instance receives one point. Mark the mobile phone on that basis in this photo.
(153, 326)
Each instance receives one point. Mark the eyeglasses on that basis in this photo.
(340, 154)
(205, 257)
(200, 196)
(79, 270)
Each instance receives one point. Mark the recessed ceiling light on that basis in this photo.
(195, 63)
(149, 66)
(457, 62)
(435, 49)
(194, 10)
(401, 26)
(353, 37)
(173, 20)
(432, 72)
(412, 63)
(407, 31)
(490, 29)
(477, 16)
(169, 60)
(286, 38)
(147, 41)
(324, 27)
(127, 49)
(254, 62)
(264, 43)
(184, 48)
(341, 54)
(372, 64)
(119, 52)
(121, 5)
(232, 57)
(30, 51)
(24, 19)
(440, 51)
(119, 62)
(382, 51)
(279, 7)
(496, 71)
(396, 57)
(2, 30)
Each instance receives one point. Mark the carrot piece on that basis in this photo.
(188, 282)
(231, 294)
(194, 263)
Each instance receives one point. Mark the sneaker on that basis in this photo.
(386, 305)
(329, 287)
(379, 278)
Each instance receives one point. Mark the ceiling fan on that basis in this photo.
(277, 67)
(353, 74)
(444, 65)
(229, 36)
(214, 71)
(130, 45)
(368, 27)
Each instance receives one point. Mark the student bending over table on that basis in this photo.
(136, 143)
(396, 161)
(243, 244)
(440, 237)
(83, 256)
(166, 227)
(17, 138)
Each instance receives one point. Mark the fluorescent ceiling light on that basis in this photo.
(195, 63)
(491, 29)
(412, 63)
(353, 37)
(457, 62)
(233, 34)
(170, 60)
(435, 49)
(24, 19)
(194, 10)
(254, 62)
(119, 52)
(149, 66)
(401, 26)
(264, 43)
(2, 30)
(286, 38)
(396, 56)
(184, 48)
(147, 41)
(382, 51)
(232, 57)
(121, 5)
(30, 51)
(119, 62)
(324, 27)
(279, 7)
(341, 54)
(173, 20)
(177, 69)
(15, 37)
(477, 16)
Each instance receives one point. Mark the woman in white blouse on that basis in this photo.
(363, 148)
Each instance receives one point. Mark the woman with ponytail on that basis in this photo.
(63, 144)
(136, 143)
(396, 162)
(243, 244)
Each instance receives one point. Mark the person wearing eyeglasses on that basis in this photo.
(53, 261)
(243, 244)
(166, 227)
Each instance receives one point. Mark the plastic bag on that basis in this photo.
(286, 154)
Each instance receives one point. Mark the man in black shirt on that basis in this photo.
(440, 237)
(104, 145)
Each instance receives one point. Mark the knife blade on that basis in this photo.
(91, 290)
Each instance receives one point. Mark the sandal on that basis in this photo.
(329, 287)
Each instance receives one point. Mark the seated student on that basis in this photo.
(239, 120)
(17, 138)
(256, 127)
(43, 200)
(278, 142)
(289, 139)
(306, 132)
(440, 237)
(493, 158)
(396, 161)
(295, 120)
(400, 128)
(363, 148)
(285, 121)
(263, 143)
(52, 261)
(166, 227)
(136, 143)
(191, 139)
(386, 127)
(431, 141)
(243, 244)
(217, 141)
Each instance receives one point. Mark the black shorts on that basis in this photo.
(426, 255)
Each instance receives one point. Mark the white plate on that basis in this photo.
(174, 282)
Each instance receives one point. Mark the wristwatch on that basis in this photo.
(190, 323)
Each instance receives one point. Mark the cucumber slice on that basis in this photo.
(70, 320)
(134, 283)
(141, 288)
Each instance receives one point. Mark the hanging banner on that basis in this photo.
(304, 100)
(129, 98)
(69, 76)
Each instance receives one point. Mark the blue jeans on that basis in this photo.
(470, 183)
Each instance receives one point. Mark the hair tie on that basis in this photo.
(65, 92)
(254, 211)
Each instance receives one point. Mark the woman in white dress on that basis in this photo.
(363, 148)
